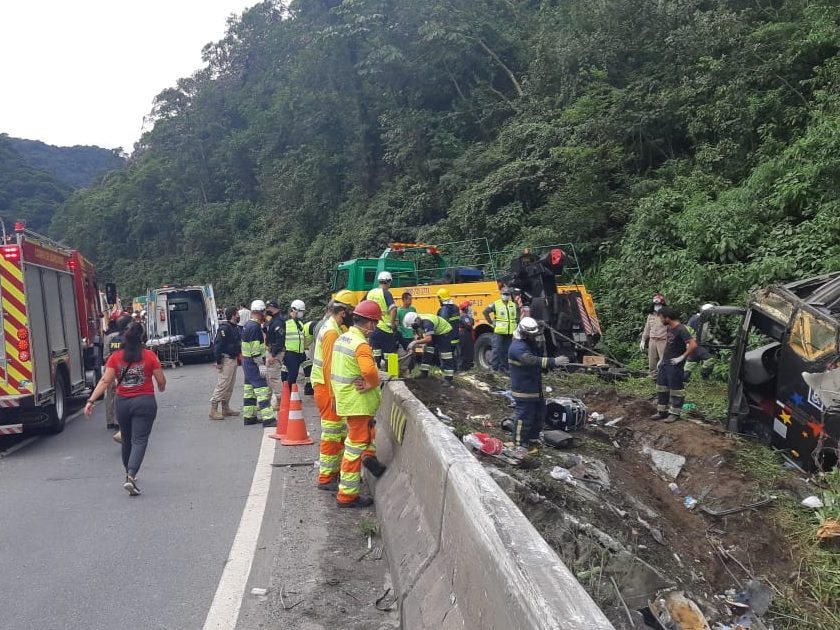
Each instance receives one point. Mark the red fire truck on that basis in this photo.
(51, 336)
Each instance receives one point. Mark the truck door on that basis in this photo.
(161, 314)
(212, 314)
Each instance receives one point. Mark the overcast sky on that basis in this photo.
(86, 71)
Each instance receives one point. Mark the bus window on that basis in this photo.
(812, 338)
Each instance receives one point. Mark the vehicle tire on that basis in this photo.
(58, 410)
(484, 352)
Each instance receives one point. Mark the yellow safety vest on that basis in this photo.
(317, 375)
(442, 327)
(504, 320)
(345, 370)
(294, 336)
(378, 296)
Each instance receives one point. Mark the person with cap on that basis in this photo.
(112, 344)
(656, 333)
(526, 366)
(295, 343)
(333, 426)
(227, 347)
(670, 379)
(466, 345)
(504, 320)
(275, 343)
(434, 333)
(355, 381)
(450, 313)
(256, 405)
(700, 328)
(384, 340)
(406, 335)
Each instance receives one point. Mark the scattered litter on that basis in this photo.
(758, 597)
(689, 406)
(548, 389)
(442, 416)
(259, 591)
(479, 385)
(674, 488)
(812, 502)
(596, 417)
(829, 529)
(558, 439)
(478, 418)
(507, 394)
(484, 443)
(670, 464)
(562, 474)
(674, 610)
(614, 421)
(690, 503)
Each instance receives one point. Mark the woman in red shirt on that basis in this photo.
(133, 368)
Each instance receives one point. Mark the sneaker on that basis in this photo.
(671, 418)
(361, 502)
(659, 415)
(131, 485)
(249, 421)
(330, 486)
(374, 466)
(117, 437)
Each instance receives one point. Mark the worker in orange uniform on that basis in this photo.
(333, 426)
(355, 382)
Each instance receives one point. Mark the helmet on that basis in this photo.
(384, 276)
(257, 305)
(298, 305)
(658, 299)
(465, 304)
(410, 319)
(346, 297)
(142, 313)
(528, 326)
(706, 306)
(443, 294)
(369, 310)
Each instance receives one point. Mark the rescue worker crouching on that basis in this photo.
(256, 405)
(526, 368)
(355, 380)
(275, 343)
(434, 334)
(226, 349)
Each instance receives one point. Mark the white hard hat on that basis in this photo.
(298, 305)
(529, 326)
(706, 306)
(257, 305)
(384, 276)
(410, 319)
(142, 313)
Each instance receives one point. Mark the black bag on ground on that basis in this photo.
(558, 439)
(566, 413)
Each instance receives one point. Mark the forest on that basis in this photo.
(688, 147)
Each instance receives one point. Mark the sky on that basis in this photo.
(86, 71)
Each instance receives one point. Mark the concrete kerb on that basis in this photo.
(461, 553)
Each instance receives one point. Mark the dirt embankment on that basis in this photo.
(619, 520)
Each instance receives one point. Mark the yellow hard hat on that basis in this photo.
(345, 296)
(443, 294)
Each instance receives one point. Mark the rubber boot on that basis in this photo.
(214, 412)
(227, 411)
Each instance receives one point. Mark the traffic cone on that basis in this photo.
(282, 413)
(296, 434)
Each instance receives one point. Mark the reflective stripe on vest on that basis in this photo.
(294, 336)
(442, 327)
(317, 376)
(504, 321)
(378, 296)
(345, 370)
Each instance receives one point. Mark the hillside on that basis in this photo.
(76, 166)
(687, 147)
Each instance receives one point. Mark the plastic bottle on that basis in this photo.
(690, 502)
(674, 488)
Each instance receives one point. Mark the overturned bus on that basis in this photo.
(783, 378)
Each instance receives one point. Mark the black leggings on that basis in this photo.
(135, 415)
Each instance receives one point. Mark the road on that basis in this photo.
(218, 517)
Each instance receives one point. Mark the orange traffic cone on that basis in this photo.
(282, 413)
(296, 434)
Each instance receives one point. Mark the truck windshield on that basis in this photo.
(812, 338)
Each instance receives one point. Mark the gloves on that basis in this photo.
(411, 345)
(642, 345)
(561, 360)
(677, 360)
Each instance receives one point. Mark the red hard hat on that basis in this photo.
(464, 304)
(659, 298)
(369, 310)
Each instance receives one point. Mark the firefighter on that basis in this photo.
(466, 346)
(226, 349)
(505, 317)
(355, 382)
(113, 342)
(526, 366)
(384, 340)
(451, 314)
(656, 332)
(434, 333)
(256, 406)
(333, 426)
(669, 381)
(295, 348)
(275, 343)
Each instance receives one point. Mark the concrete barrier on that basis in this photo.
(461, 553)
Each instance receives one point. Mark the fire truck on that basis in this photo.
(52, 330)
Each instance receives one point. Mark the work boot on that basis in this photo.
(672, 417)
(331, 485)
(214, 412)
(374, 466)
(659, 415)
(227, 411)
(249, 421)
(308, 391)
(361, 502)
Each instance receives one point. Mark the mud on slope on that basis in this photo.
(631, 527)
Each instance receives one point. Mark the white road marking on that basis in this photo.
(224, 611)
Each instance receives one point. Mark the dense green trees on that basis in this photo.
(689, 147)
